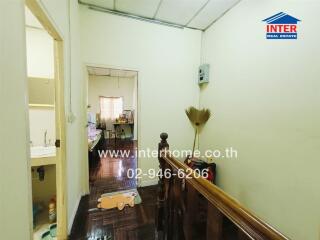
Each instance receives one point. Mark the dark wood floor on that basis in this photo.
(109, 175)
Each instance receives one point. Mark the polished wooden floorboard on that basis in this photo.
(109, 175)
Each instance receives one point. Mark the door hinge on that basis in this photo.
(57, 143)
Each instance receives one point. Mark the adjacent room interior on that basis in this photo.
(112, 115)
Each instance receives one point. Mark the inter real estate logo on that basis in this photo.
(282, 26)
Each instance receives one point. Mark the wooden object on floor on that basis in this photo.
(200, 210)
(131, 223)
(116, 201)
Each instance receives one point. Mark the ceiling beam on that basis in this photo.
(136, 17)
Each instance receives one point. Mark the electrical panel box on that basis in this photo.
(203, 74)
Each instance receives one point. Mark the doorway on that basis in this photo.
(47, 124)
(112, 121)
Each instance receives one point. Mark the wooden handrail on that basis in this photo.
(221, 204)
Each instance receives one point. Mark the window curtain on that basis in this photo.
(110, 108)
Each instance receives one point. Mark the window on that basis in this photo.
(111, 107)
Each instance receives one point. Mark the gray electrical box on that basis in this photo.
(203, 74)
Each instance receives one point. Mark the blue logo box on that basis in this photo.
(282, 36)
(281, 26)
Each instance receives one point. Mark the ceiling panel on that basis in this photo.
(213, 10)
(144, 8)
(179, 11)
(197, 13)
(101, 3)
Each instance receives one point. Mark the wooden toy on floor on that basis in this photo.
(119, 201)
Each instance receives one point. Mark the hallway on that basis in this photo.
(232, 83)
(109, 175)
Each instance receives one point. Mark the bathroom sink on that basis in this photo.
(40, 151)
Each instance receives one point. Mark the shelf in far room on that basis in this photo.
(41, 105)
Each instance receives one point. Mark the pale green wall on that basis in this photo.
(265, 99)
(167, 61)
(40, 53)
(15, 177)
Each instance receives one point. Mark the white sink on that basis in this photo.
(40, 151)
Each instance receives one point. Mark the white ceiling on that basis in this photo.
(198, 14)
(99, 71)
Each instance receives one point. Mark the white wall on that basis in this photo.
(265, 100)
(40, 53)
(167, 60)
(15, 177)
(40, 64)
(112, 87)
(41, 120)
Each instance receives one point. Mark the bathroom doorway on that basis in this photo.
(47, 123)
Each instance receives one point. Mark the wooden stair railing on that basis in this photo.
(194, 208)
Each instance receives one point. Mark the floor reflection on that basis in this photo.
(110, 175)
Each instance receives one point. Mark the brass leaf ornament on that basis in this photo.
(197, 118)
